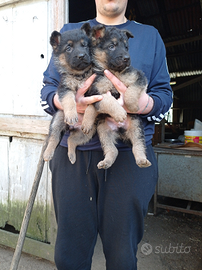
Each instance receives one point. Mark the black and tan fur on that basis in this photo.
(110, 51)
(73, 60)
(118, 62)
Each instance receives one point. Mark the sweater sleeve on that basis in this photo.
(51, 82)
(159, 85)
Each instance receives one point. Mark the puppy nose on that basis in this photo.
(126, 58)
(81, 56)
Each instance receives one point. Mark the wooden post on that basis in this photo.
(59, 14)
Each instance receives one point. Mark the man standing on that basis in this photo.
(110, 202)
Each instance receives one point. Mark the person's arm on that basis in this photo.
(51, 82)
(159, 84)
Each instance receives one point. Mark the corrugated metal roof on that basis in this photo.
(180, 24)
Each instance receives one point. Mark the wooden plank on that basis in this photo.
(59, 15)
(23, 159)
(179, 209)
(10, 2)
(11, 134)
(6, 102)
(17, 174)
(52, 232)
(24, 125)
(36, 248)
(22, 67)
(29, 60)
(4, 183)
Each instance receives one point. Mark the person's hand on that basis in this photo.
(120, 87)
(81, 101)
(145, 101)
(56, 102)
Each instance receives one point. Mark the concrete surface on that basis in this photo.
(171, 241)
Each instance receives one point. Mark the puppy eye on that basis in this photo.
(111, 47)
(84, 45)
(68, 48)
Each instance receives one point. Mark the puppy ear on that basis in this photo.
(55, 39)
(98, 32)
(128, 34)
(86, 28)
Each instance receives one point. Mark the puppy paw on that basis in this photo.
(104, 164)
(48, 155)
(86, 128)
(71, 118)
(143, 163)
(133, 107)
(72, 157)
(121, 116)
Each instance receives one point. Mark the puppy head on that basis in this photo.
(71, 49)
(110, 47)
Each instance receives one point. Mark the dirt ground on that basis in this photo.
(171, 241)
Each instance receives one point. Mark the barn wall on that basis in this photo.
(25, 52)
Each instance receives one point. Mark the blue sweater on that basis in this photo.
(148, 54)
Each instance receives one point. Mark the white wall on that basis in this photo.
(23, 40)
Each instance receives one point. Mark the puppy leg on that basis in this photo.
(69, 106)
(135, 134)
(131, 98)
(56, 127)
(109, 105)
(137, 84)
(107, 138)
(89, 119)
(77, 137)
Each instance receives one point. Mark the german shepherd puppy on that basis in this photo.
(73, 60)
(109, 48)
